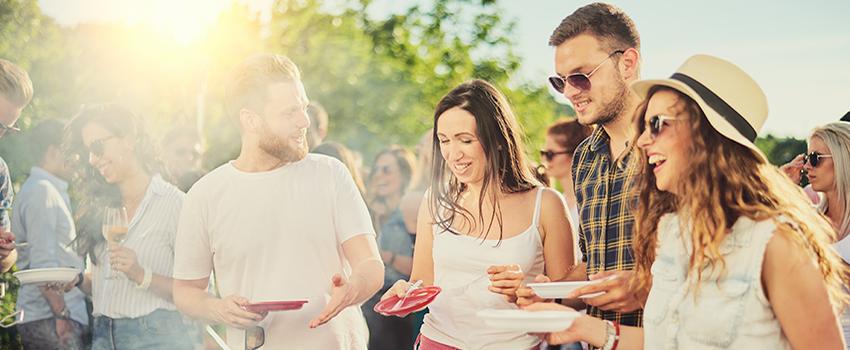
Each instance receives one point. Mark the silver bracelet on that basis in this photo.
(611, 336)
(146, 281)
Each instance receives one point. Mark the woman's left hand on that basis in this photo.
(505, 280)
(124, 259)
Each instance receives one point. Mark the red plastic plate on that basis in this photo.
(417, 299)
(282, 305)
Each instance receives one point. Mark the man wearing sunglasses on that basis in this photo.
(15, 93)
(596, 57)
(277, 224)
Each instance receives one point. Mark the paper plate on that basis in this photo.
(528, 321)
(554, 290)
(47, 275)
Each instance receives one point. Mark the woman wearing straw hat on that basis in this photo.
(727, 248)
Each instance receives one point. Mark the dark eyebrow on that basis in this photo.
(582, 69)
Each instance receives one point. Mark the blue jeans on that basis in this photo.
(160, 329)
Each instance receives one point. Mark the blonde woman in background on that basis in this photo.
(827, 163)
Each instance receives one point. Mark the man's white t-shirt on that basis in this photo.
(277, 235)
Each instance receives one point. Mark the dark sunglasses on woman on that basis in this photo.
(550, 154)
(814, 158)
(656, 123)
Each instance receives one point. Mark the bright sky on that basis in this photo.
(799, 52)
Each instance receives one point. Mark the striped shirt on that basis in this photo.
(604, 207)
(151, 235)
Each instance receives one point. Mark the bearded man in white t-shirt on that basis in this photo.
(277, 224)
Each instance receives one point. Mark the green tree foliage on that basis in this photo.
(380, 78)
(780, 150)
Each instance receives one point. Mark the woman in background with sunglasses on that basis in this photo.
(828, 167)
(827, 164)
(389, 180)
(562, 138)
(727, 251)
(130, 282)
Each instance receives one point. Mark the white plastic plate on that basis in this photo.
(528, 321)
(47, 275)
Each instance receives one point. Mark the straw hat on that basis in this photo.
(732, 101)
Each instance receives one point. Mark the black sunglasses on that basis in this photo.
(814, 158)
(550, 154)
(96, 148)
(255, 337)
(656, 123)
(579, 81)
(384, 169)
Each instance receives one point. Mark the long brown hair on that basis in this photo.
(725, 181)
(90, 187)
(502, 140)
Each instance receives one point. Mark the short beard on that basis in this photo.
(279, 148)
(614, 109)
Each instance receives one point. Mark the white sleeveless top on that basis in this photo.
(460, 269)
(729, 313)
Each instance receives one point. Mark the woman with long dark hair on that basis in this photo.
(123, 197)
(486, 215)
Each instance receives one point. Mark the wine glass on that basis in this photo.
(115, 227)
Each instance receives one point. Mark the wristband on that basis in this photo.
(612, 329)
(146, 281)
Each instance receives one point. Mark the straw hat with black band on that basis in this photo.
(732, 101)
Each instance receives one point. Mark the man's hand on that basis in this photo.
(230, 311)
(343, 295)
(618, 296)
(64, 330)
(7, 243)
